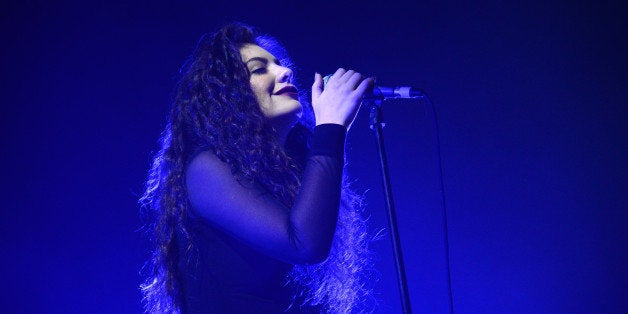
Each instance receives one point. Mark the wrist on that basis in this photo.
(328, 139)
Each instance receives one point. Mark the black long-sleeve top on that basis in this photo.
(245, 241)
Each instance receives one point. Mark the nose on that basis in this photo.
(285, 75)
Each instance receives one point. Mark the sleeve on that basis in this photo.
(298, 235)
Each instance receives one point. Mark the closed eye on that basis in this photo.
(262, 62)
(259, 71)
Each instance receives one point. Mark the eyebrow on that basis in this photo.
(262, 60)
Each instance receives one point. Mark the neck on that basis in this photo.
(282, 135)
(282, 129)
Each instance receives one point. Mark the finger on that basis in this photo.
(346, 76)
(317, 86)
(336, 76)
(354, 80)
(364, 86)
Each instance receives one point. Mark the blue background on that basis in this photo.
(531, 99)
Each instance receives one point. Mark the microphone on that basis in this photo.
(383, 92)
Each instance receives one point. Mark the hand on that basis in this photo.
(340, 99)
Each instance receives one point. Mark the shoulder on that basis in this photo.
(205, 166)
(203, 159)
(209, 183)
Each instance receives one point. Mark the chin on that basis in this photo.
(288, 119)
(294, 112)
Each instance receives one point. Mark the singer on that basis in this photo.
(247, 206)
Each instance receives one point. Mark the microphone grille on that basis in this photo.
(325, 79)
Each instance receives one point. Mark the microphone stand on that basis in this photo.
(377, 123)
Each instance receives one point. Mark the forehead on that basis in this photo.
(250, 51)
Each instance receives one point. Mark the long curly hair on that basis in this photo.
(215, 108)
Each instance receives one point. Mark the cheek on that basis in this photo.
(262, 90)
(261, 84)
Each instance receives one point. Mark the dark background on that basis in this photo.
(531, 99)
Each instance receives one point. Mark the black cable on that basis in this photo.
(442, 197)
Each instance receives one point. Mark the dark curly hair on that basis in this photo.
(214, 108)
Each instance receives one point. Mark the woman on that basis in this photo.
(243, 217)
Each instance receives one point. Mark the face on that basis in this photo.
(272, 84)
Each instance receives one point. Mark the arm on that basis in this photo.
(302, 234)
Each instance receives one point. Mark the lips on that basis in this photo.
(288, 90)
